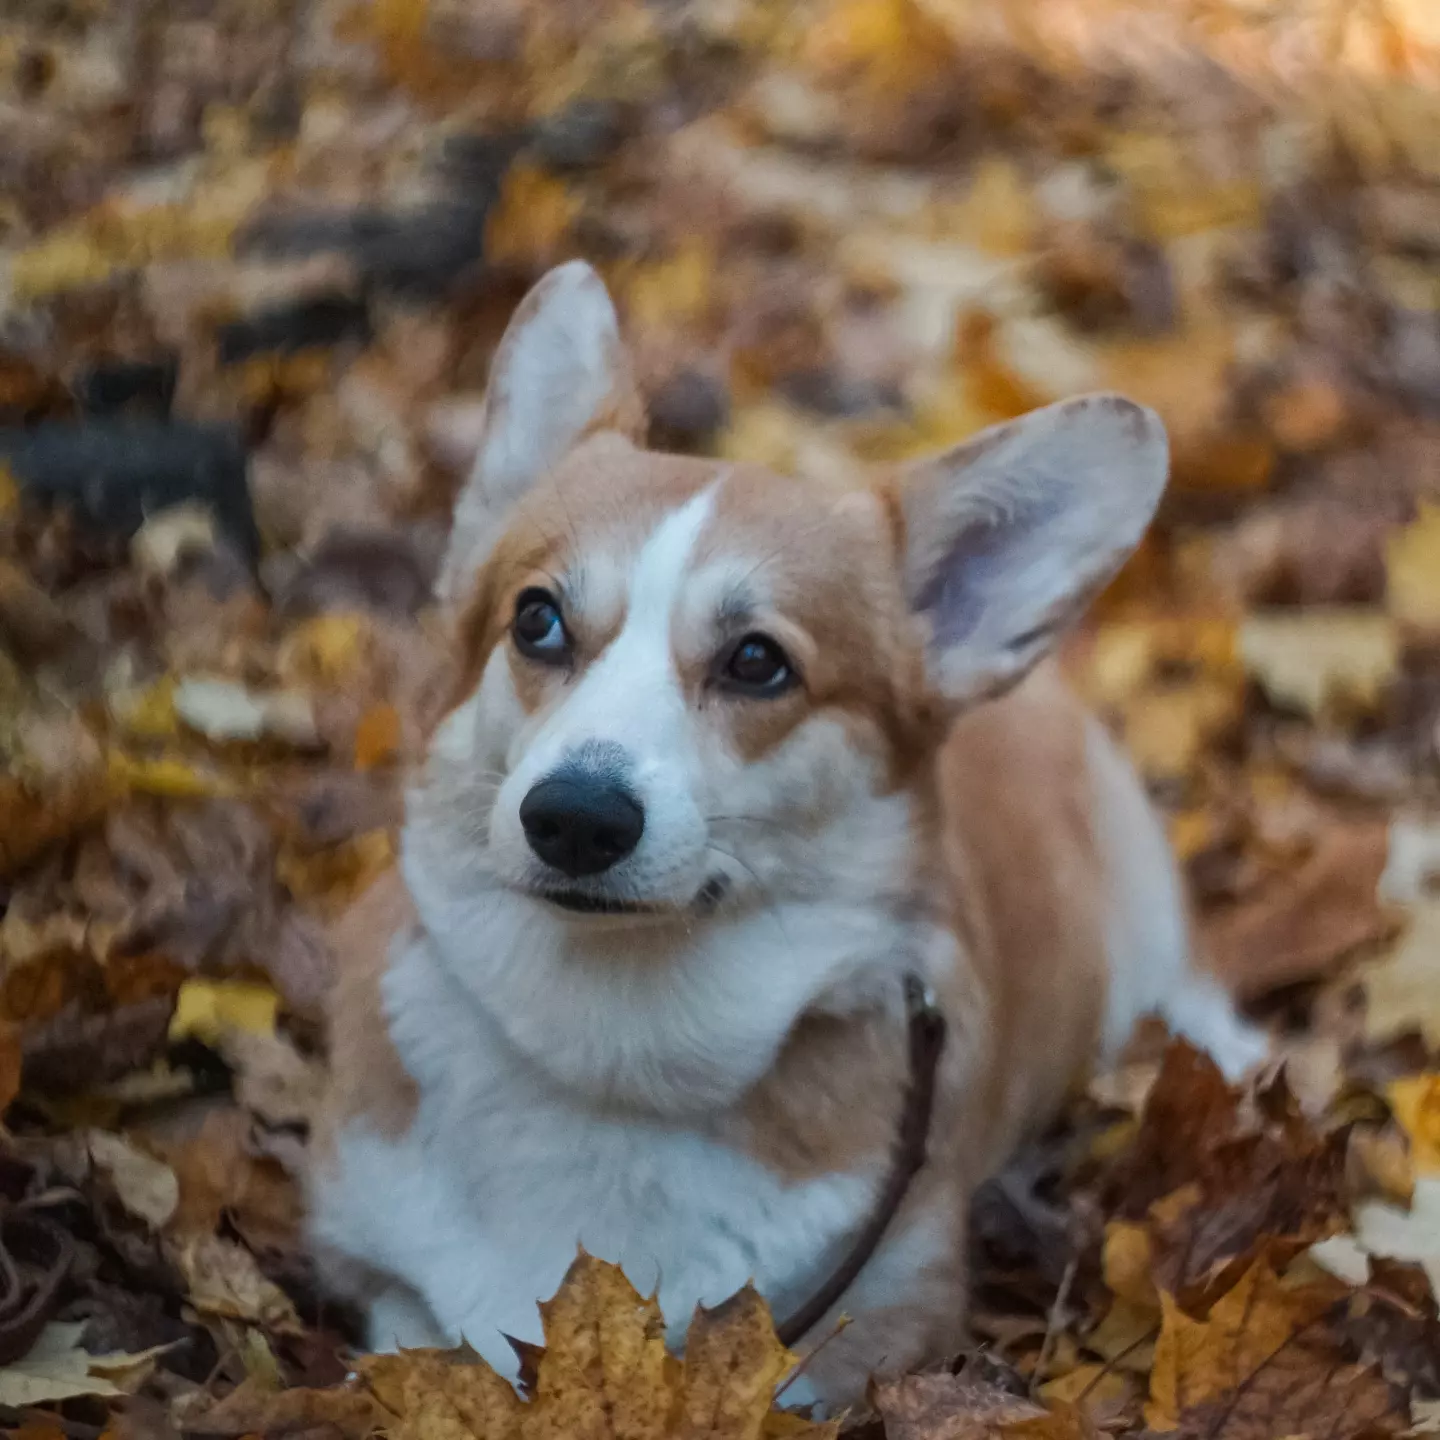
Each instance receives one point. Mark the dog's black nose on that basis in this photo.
(581, 826)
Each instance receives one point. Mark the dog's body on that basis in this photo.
(730, 713)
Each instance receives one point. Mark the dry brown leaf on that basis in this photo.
(604, 1365)
(53, 776)
(733, 1362)
(1198, 1361)
(220, 1175)
(222, 1278)
(1302, 923)
(603, 1374)
(57, 1368)
(948, 1407)
(11, 1064)
(1301, 1390)
(253, 1409)
(145, 1186)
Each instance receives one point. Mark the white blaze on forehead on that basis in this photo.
(631, 693)
(640, 656)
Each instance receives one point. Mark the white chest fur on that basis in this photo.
(479, 1207)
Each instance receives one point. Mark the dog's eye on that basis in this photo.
(758, 666)
(538, 630)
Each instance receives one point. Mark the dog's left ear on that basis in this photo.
(561, 371)
(1009, 535)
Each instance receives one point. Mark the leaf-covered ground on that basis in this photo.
(254, 257)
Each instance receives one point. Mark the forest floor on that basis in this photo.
(254, 258)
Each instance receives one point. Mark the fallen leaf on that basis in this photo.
(1320, 660)
(52, 773)
(169, 777)
(222, 1278)
(72, 1051)
(335, 875)
(222, 710)
(377, 737)
(1303, 922)
(1125, 1089)
(252, 1409)
(1127, 1257)
(733, 1362)
(56, 1368)
(1383, 1159)
(947, 1407)
(272, 1078)
(11, 1064)
(220, 1178)
(1415, 1101)
(173, 534)
(1126, 1335)
(1412, 565)
(603, 1372)
(1402, 991)
(1168, 730)
(605, 1355)
(209, 1009)
(1197, 1361)
(145, 1186)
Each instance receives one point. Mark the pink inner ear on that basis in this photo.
(970, 576)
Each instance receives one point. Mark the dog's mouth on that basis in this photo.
(584, 902)
(581, 903)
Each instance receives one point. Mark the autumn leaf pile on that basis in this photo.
(254, 258)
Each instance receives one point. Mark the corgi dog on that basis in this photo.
(728, 757)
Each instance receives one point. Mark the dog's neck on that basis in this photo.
(680, 1017)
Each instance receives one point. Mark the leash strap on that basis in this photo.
(926, 1040)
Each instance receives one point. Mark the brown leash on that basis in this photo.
(927, 1040)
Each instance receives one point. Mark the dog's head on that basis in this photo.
(694, 693)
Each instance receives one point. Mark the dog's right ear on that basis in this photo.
(560, 372)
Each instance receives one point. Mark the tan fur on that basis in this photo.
(366, 1076)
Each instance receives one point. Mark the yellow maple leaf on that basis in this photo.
(167, 776)
(882, 46)
(207, 1009)
(335, 875)
(603, 1374)
(1412, 565)
(1127, 1256)
(324, 651)
(1200, 1360)
(604, 1357)
(733, 1361)
(377, 736)
(147, 713)
(674, 290)
(531, 219)
(1416, 1103)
